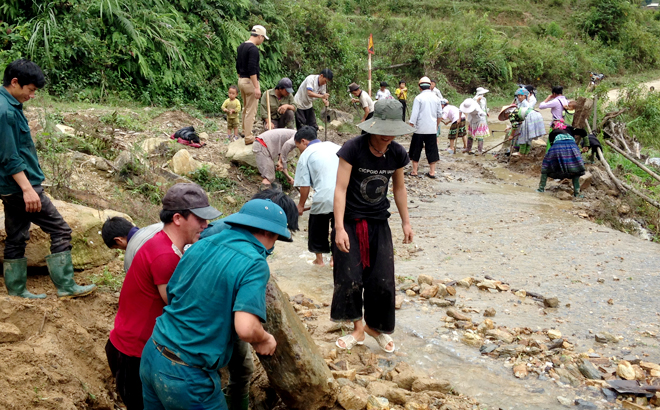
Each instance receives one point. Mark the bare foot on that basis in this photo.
(332, 261)
(318, 262)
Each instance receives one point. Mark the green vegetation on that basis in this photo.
(209, 182)
(178, 52)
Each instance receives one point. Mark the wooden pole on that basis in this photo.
(633, 160)
(595, 111)
(369, 66)
(270, 122)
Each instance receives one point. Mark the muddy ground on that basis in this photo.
(480, 217)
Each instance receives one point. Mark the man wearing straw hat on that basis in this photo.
(216, 295)
(364, 284)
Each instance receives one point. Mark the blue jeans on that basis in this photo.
(167, 385)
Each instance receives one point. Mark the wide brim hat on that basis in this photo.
(481, 90)
(468, 106)
(424, 80)
(506, 110)
(386, 120)
(262, 214)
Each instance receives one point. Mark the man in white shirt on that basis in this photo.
(364, 99)
(317, 168)
(452, 115)
(313, 87)
(425, 117)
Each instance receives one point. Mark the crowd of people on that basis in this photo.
(167, 346)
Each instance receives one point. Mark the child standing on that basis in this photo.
(383, 92)
(232, 106)
(402, 95)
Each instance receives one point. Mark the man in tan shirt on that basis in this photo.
(282, 108)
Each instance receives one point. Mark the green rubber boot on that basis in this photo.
(16, 278)
(544, 180)
(576, 188)
(240, 403)
(61, 273)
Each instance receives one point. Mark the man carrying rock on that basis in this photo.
(282, 108)
(22, 194)
(364, 99)
(247, 66)
(143, 296)
(425, 117)
(317, 168)
(314, 86)
(216, 295)
(270, 146)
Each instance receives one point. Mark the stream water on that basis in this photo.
(532, 241)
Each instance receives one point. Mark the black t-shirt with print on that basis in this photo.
(366, 196)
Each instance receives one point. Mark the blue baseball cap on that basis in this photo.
(262, 214)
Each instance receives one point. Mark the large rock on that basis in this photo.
(336, 115)
(240, 153)
(183, 163)
(152, 144)
(297, 370)
(10, 333)
(353, 397)
(428, 384)
(88, 251)
(585, 181)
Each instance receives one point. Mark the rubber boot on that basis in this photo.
(576, 188)
(239, 403)
(544, 180)
(480, 145)
(468, 149)
(16, 278)
(61, 273)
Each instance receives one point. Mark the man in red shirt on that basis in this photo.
(185, 215)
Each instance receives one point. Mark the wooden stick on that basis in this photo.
(633, 160)
(614, 179)
(623, 186)
(270, 121)
(595, 110)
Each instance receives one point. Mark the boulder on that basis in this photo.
(183, 163)
(377, 403)
(405, 378)
(353, 397)
(240, 153)
(88, 251)
(589, 370)
(428, 384)
(625, 370)
(150, 145)
(9, 332)
(333, 115)
(66, 130)
(296, 371)
(421, 279)
(124, 158)
(429, 291)
(335, 124)
(388, 390)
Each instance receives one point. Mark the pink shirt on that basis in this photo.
(556, 106)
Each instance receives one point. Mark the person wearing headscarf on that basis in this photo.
(531, 127)
(531, 99)
(480, 98)
(520, 98)
(563, 159)
(477, 124)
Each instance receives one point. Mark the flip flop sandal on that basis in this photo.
(431, 176)
(410, 174)
(383, 340)
(349, 342)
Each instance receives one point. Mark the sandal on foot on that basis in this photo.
(349, 342)
(431, 176)
(383, 340)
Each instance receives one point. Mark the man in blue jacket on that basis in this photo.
(22, 194)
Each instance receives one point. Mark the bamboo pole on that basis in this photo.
(369, 66)
(633, 160)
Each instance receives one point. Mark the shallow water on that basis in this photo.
(532, 241)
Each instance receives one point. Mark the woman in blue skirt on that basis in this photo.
(563, 160)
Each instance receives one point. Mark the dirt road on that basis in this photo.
(613, 95)
(468, 225)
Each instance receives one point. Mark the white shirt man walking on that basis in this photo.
(425, 117)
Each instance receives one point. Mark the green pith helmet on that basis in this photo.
(386, 119)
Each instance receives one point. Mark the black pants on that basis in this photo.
(403, 103)
(306, 117)
(318, 231)
(126, 370)
(17, 225)
(284, 121)
(427, 141)
(373, 284)
(369, 116)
